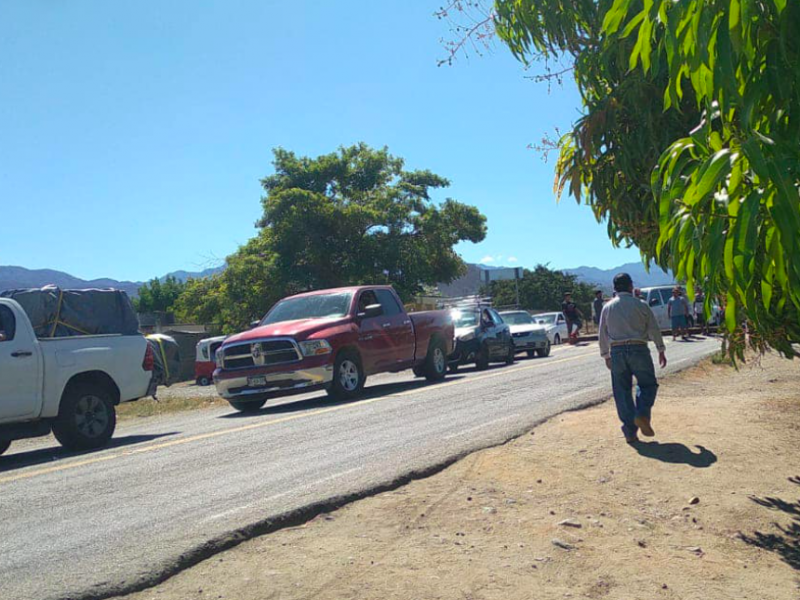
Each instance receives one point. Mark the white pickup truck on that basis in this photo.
(67, 385)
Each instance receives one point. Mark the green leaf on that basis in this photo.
(717, 167)
(730, 313)
(615, 15)
(632, 24)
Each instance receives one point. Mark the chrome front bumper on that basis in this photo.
(285, 381)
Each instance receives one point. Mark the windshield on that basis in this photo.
(517, 318)
(545, 319)
(323, 306)
(465, 319)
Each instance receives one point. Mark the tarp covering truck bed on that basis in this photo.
(58, 313)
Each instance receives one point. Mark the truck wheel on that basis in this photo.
(436, 361)
(542, 352)
(512, 354)
(348, 376)
(482, 360)
(203, 381)
(86, 418)
(248, 406)
(4, 446)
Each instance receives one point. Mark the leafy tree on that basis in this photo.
(352, 217)
(688, 141)
(158, 296)
(356, 216)
(543, 289)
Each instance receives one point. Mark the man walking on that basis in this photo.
(573, 316)
(626, 326)
(678, 313)
(597, 307)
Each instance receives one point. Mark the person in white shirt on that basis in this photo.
(626, 327)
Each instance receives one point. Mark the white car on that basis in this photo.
(555, 325)
(658, 297)
(67, 385)
(528, 335)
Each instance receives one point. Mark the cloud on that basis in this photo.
(513, 259)
(487, 259)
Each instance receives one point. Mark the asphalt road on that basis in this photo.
(92, 524)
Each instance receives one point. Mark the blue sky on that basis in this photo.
(134, 134)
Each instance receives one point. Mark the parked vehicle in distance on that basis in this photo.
(528, 335)
(204, 362)
(657, 298)
(481, 337)
(67, 385)
(333, 340)
(555, 325)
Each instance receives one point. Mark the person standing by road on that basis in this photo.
(700, 311)
(678, 313)
(597, 307)
(626, 327)
(573, 315)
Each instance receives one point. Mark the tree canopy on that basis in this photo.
(355, 216)
(158, 296)
(688, 142)
(543, 289)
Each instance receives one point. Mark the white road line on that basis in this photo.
(481, 426)
(337, 475)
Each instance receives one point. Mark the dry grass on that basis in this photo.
(147, 407)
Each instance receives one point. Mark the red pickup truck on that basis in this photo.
(331, 339)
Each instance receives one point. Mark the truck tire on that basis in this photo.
(482, 360)
(86, 418)
(248, 406)
(348, 376)
(436, 361)
(4, 446)
(203, 381)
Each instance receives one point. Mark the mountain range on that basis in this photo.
(602, 278)
(19, 277)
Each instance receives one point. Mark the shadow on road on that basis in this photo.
(49, 455)
(324, 401)
(785, 543)
(677, 453)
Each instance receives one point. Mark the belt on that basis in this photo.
(629, 343)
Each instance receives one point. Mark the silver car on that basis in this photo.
(528, 335)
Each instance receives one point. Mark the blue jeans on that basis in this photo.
(627, 362)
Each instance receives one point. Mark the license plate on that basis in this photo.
(257, 381)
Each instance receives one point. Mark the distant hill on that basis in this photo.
(603, 278)
(19, 277)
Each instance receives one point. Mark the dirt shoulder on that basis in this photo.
(709, 510)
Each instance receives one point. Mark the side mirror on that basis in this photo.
(653, 301)
(255, 323)
(373, 310)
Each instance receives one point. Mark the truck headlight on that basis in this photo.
(315, 347)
